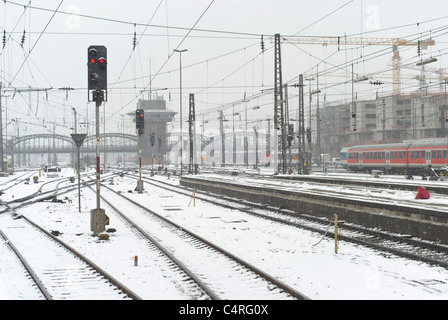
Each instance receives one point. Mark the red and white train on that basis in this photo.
(409, 157)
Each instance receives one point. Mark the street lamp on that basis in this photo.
(361, 79)
(180, 107)
(424, 62)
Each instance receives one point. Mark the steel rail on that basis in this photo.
(294, 293)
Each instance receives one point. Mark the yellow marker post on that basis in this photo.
(335, 233)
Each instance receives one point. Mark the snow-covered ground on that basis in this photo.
(286, 252)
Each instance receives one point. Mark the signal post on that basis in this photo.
(140, 126)
(97, 91)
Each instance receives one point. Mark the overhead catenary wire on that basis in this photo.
(169, 57)
(35, 43)
(329, 60)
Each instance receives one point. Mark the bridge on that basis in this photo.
(31, 149)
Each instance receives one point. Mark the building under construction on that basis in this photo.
(387, 119)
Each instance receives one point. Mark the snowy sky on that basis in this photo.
(223, 63)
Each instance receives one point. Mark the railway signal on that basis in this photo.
(97, 71)
(308, 134)
(97, 86)
(140, 126)
(140, 121)
(290, 134)
(152, 138)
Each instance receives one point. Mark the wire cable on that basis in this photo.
(32, 48)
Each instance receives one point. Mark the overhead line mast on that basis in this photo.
(279, 110)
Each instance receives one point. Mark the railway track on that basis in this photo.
(164, 268)
(211, 264)
(158, 280)
(400, 245)
(60, 272)
(221, 290)
(14, 181)
(366, 193)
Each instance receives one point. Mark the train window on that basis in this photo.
(396, 154)
(412, 154)
(444, 154)
(433, 154)
(400, 154)
(439, 154)
(417, 154)
(375, 155)
(422, 154)
(383, 155)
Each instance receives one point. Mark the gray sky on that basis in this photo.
(223, 64)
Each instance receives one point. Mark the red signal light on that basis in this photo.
(92, 60)
(102, 60)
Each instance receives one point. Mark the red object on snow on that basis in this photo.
(422, 193)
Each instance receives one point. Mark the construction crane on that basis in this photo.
(441, 72)
(355, 41)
